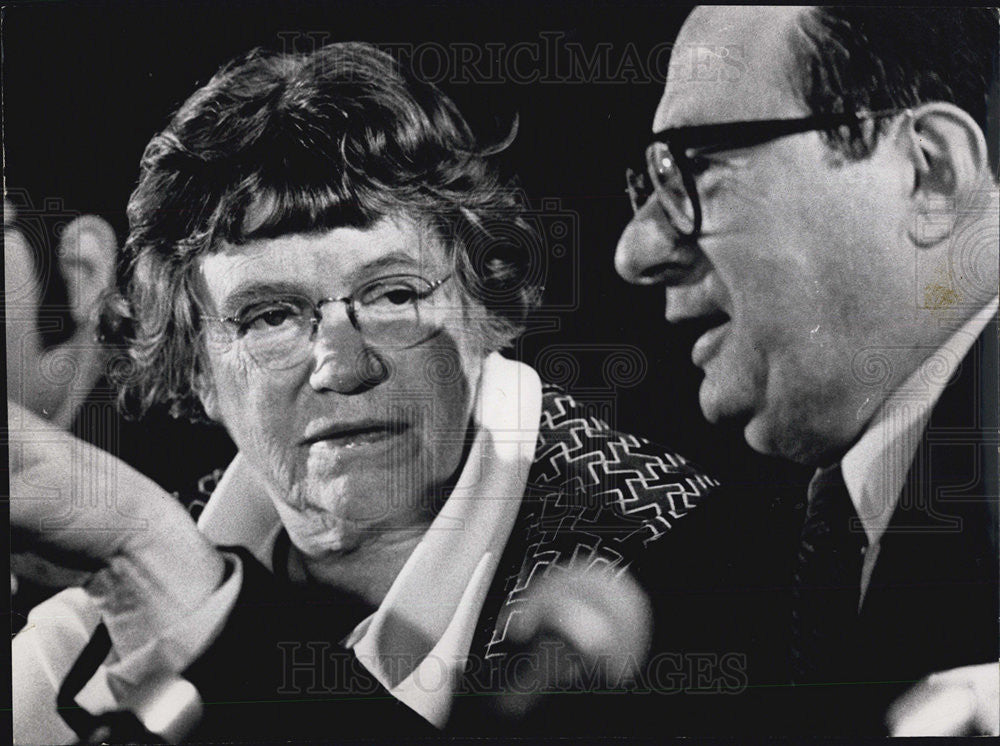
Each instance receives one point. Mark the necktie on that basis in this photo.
(827, 582)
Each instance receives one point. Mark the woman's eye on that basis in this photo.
(264, 319)
(274, 317)
(400, 296)
(393, 295)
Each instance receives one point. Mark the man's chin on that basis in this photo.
(784, 442)
(760, 438)
(731, 413)
(719, 409)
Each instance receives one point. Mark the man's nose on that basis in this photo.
(650, 250)
(341, 360)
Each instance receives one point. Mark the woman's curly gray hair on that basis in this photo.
(340, 137)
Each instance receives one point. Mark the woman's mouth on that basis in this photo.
(354, 435)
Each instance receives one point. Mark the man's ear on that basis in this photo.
(948, 152)
(87, 250)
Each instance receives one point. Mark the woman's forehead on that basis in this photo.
(325, 260)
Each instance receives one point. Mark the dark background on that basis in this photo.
(86, 85)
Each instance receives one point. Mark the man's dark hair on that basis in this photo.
(868, 58)
(278, 144)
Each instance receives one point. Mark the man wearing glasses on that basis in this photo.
(828, 219)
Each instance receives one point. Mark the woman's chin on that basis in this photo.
(336, 538)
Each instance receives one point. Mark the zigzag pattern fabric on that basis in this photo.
(596, 498)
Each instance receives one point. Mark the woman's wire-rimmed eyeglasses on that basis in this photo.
(277, 331)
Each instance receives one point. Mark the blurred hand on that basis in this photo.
(76, 511)
(960, 702)
(588, 631)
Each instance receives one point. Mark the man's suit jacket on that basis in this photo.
(933, 600)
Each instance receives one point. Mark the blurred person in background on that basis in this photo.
(57, 265)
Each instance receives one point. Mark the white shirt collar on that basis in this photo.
(875, 468)
(417, 641)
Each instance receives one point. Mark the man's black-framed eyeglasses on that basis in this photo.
(670, 157)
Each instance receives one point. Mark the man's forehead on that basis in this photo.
(730, 64)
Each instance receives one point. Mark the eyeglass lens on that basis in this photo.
(668, 182)
(389, 319)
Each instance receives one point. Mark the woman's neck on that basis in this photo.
(366, 572)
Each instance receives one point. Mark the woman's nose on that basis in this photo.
(341, 360)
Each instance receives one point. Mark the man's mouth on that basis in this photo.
(708, 344)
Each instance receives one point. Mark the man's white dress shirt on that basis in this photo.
(875, 468)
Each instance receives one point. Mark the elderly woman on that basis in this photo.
(312, 265)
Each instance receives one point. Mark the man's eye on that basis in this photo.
(699, 164)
